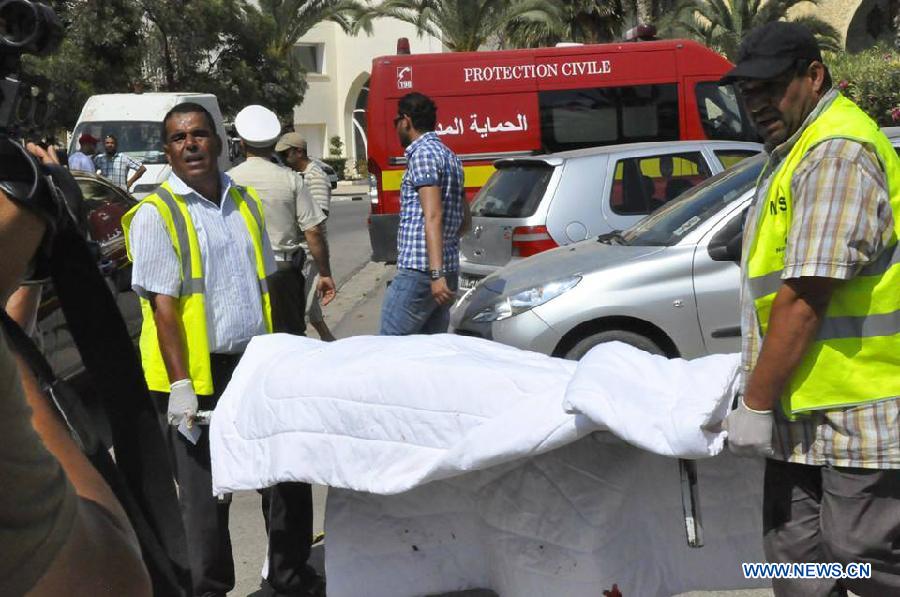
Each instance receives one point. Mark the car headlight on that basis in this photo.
(525, 300)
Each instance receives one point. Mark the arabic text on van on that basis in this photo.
(536, 71)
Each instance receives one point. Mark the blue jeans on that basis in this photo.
(409, 308)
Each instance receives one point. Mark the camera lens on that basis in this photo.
(18, 23)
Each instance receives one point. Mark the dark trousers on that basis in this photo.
(287, 510)
(205, 517)
(286, 293)
(829, 514)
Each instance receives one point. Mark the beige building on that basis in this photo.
(338, 67)
(861, 23)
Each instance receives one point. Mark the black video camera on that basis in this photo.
(26, 27)
(31, 27)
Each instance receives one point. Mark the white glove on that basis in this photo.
(182, 401)
(749, 431)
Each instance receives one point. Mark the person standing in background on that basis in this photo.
(83, 159)
(291, 147)
(115, 166)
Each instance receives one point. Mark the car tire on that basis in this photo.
(631, 338)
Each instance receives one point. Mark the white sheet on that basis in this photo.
(498, 485)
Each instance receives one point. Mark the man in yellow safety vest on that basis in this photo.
(820, 307)
(201, 257)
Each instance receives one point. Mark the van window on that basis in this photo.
(575, 118)
(513, 191)
(640, 185)
(138, 139)
(721, 114)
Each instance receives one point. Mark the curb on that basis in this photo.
(354, 292)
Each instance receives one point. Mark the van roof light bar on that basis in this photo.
(641, 33)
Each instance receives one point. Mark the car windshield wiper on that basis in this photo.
(612, 238)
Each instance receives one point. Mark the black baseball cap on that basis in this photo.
(771, 49)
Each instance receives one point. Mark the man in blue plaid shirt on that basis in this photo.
(433, 215)
(115, 166)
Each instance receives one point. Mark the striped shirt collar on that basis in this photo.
(182, 188)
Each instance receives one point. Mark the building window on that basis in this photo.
(311, 57)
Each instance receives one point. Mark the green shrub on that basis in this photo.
(339, 165)
(335, 147)
(870, 78)
(362, 168)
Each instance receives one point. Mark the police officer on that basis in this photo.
(201, 257)
(290, 215)
(820, 319)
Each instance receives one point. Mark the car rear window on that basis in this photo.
(513, 191)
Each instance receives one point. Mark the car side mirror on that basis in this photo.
(725, 244)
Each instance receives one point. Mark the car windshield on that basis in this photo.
(141, 140)
(670, 223)
(513, 191)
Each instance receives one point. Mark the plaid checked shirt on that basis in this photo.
(429, 163)
(842, 220)
(116, 168)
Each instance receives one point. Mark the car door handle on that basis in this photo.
(729, 332)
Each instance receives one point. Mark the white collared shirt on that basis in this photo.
(233, 301)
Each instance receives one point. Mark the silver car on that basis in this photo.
(533, 204)
(669, 285)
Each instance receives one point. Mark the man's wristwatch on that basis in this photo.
(435, 274)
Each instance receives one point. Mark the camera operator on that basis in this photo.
(62, 531)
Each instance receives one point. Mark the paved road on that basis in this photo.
(348, 237)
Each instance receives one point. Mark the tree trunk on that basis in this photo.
(644, 10)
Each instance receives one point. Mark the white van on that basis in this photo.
(135, 119)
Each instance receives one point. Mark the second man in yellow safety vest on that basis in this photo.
(820, 321)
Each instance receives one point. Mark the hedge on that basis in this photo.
(870, 78)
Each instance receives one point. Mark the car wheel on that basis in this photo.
(631, 338)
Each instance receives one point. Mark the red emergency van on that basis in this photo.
(522, 102)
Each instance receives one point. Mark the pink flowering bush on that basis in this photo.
(871, 79)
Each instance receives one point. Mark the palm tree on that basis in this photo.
(463, 25)
(294, 18)
(585, 21)
(721, 24)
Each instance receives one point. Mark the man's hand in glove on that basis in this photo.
(182, 402)
(749, 431)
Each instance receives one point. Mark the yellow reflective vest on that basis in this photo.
(191, 304)
(855, 357)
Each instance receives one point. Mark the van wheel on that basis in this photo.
(631, 338)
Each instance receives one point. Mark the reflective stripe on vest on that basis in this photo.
(191, 302)
(855, 358)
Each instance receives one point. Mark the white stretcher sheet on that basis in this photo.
(458, 463)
